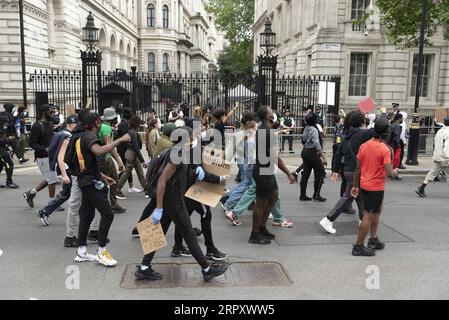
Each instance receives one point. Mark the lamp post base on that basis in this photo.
(413, 142)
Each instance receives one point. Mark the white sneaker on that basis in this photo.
(106, 259)
(85, 257)
(327, 225)
(270, 216)
(134, 190)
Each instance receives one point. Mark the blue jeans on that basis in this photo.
(239, 191)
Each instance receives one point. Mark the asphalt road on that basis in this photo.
(35, 265)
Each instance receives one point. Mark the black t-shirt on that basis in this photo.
(122, 129)
(265, 141)
(91, 171)
(219, 125)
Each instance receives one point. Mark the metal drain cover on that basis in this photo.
(188, 275)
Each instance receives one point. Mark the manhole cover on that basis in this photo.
(307, 231)
(188, 275)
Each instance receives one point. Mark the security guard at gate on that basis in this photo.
(287, 123)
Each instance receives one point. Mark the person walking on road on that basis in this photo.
(440, 158)
(374, 162)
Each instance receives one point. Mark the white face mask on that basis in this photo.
(15, 112)
(203, 134)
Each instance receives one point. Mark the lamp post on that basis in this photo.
(22, 54)
(91, 62)
(267, 64)
(415, 127)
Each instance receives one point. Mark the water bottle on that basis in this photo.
(99, 185)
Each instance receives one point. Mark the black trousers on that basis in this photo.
(179, 214)
(289, 139)
(206, 223)
(94, 199)
(60, 198)
(6, 162)
(402, 152)
(311, 161)
(121, 154)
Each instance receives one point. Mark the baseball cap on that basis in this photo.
(73, 119)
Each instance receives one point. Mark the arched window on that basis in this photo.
(151, 62)
(165, 16)
(165, 63)
(151, 15)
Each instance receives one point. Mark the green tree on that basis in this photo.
(235, 18)
(402, 20)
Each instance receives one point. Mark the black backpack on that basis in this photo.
(154, 172)
(71, 158)
(7, 121)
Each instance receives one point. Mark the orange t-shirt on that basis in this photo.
(373, 155)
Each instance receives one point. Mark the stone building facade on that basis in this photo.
(319, 37)
(160, 36)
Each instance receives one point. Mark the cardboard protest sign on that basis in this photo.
(152, 237)
(70, 110)
(209, 193)
(89, 103)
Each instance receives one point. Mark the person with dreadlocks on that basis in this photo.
(94, 190)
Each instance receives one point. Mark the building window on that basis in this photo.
(151, 15)
(425, 83)
(151, 62)
(358, 10)
(165, 16)
(165, 63)
(358, 74)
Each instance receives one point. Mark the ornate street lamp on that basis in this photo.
(90, 33)
(267, 67)
(91, 65)
(268, 39)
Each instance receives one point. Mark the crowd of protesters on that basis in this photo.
(95, 156)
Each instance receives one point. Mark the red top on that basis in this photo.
(374, 155)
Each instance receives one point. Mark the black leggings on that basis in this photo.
(181, 219)
(94, 199)
(206, 221)
(311, 160)
(6, 162)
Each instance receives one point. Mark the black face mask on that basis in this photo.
(55, 119)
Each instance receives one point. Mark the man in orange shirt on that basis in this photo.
(374, 162)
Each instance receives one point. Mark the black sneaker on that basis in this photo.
(319, 198)
(70, 242)
(2, 186)
(11, 185)
(362, 251)
(29, 198)
(420, 192)
(118, 210)
(304, 198)
(93, 236)
(258, 238)
(180, 252)
(267, 234)
(43, 216)
(148, 274)
(59, 209)
(215, 254)
(120, 196)
(135, 233)
(197, 231)
(23, 160)
(215, 270)
(376, 244)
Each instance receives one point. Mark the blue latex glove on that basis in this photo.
(200, 173)
(157, 215)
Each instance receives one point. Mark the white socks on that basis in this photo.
(101, 250)
(82, 251)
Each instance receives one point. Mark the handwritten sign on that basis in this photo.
(70, 110)
(206, 193)
(209, 193)
(89, 103)
(152, 237)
